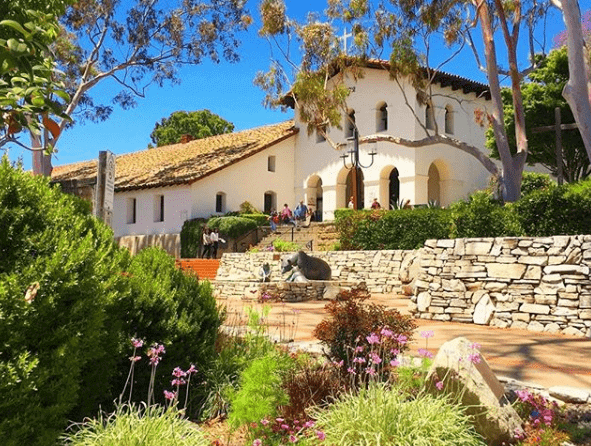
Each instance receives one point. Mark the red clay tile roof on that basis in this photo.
(181, 163)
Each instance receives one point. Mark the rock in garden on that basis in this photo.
(570, 394)
(466, 376)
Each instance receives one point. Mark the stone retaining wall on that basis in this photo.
(541, 284)
(380, 270)
(287, 292)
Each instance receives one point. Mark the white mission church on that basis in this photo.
(156, 190)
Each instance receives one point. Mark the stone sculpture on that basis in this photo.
(312, 268)
(265, 272)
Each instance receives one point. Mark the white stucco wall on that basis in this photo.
(248, 180)
(460, 173)
(177, 208)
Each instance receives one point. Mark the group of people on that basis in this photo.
(211, 242)
(375, 204)
(287, 217)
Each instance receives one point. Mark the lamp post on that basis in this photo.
(355, 164)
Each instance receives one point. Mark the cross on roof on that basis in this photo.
(344, 38)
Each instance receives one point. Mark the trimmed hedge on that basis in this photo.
(397, 229)
(483, 216)
(232, 227)
(191, 238)
(260, 219)
(557, 210)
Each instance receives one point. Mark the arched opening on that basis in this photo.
(350, 124)
(449, 120)
(314, 196)
(270, 202)
(429, 117)
(350, 190)
(381, 117)
(434, 185)
(389, 187)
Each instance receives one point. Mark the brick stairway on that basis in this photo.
(322, 235)
(204, 268)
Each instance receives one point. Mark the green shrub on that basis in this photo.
(232, 227)
(260, 391)
(172, 308)
(260, 219)
(351, 321)
(247, 208)
(284, 246)
(532, 181)
(380, 416)
(134, 425)
(483, 216)
(60, 287)
(397, 229)
(191, 238)
(560, 210)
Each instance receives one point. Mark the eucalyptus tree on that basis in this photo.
(198, 124)
(135, 44)
(577, 90)
(403, 33)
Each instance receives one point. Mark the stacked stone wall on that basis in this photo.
(541, 284)
(379, 270)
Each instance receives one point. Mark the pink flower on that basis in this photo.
(279, 420)
(293, 439)
(359, 349)
(475, 346)
(359, 360)
(373, 339)
(395, 363)
(386, 333)
(178, 382)
(425, 353)
(169, 395)
(427, 334)
(402, 339)
(338, 363)
(284, 426)
(137, 343)
(375, 358)
(474, 358)
(309, 424)
(370, 371)
(351, 370)
(264, 421)
(178, 372)
(257, 442)
(394, 351)
(154, 360)
(439, 385)
(321, 435)
(191, 370)
(135, 358)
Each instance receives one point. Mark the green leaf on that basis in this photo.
(15, 25)
(16, 47)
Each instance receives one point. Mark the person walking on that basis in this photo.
(300, 211)
(214, 238)
(206, 239)
(273, 220)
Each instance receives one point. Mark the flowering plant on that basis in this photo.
(283, 431)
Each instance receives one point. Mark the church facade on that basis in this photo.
(156, 190)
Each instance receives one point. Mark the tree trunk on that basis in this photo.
(512, 167)
(577, 90)
(41, 161)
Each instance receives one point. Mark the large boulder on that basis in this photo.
(466, 376)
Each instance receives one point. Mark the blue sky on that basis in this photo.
(225, 89)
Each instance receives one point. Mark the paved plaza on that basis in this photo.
(540, 358)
